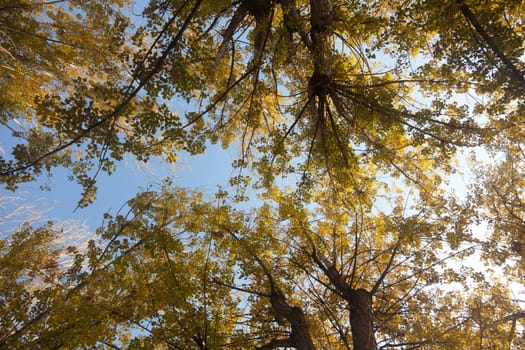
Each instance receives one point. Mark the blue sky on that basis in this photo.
(204, 172)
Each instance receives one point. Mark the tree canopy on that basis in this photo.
(341, 228)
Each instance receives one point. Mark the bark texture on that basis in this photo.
(321, 22)
(300, 337)
(361, 320)
(360, 303)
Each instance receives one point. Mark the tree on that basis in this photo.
(58, 56)
(320, 54)
(31, 282)
(320, 93)
(279, 276)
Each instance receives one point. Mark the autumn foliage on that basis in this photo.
(343, 226)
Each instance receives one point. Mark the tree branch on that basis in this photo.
(514, 72)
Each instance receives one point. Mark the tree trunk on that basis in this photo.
(360, 302)
(361, 320)
(321, 20)
(300, 336)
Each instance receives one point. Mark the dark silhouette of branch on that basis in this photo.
(514, 72)
(387, 268)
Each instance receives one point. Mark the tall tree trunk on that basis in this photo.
(361, 320)
(321, 21)
(360, 302)
(300, 336)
